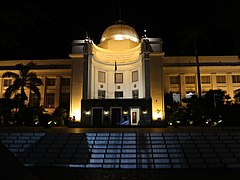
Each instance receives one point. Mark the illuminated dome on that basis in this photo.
(120, 31)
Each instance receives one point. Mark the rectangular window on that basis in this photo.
(118, 94)
(7, 82)
(65, 99)
(65, 81)
(205, 79)
(135, 94)
(101, 76)
(118, 77)
(221, 79)
(34, 100)
(49, 101)
(190, 79)
(174, 80)
(101, 94)
(134, 76)
(236, 78)
(50, 82)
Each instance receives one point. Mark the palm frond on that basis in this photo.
(36, 90)
(10, 74)
(10, 90)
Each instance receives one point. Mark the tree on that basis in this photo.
(191, 37)
(25, 79)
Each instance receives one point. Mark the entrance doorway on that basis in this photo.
(135, 116)
(116, 116)
(97, 116)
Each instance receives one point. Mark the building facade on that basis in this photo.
(123, 79)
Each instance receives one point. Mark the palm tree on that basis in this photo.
(191, 37)
(25, 79)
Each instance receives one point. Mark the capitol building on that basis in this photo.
(123, 79)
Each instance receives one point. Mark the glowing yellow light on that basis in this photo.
(77, 114)
(106, 113)
(88, 113)
(144, 112)
(125, 112)
(157, 115)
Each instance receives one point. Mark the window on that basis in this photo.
(65, 81)
(135, 94)
(190, 79)
(7, 82)
(34, 100)
(50, 82)
(221, 79)
(134, 76)
(174, 80)
(205, 79)
(101, 76)
(118, 77)
(236, 78)
(49, 101)
(118, 94)
(64, 99)
(101, 94)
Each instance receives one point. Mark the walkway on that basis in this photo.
(107, 153)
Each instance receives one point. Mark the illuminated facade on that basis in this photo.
(122, 80)
(116, 88)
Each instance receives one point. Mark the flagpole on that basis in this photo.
(115, 69)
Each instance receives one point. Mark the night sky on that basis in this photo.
(44, 29)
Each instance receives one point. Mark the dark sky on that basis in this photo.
(36, 29)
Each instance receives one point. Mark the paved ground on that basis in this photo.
(133, 174)
(11, 168)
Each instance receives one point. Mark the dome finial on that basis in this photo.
(119, 22)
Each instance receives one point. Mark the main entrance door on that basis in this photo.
(97, 116)
(116, 116)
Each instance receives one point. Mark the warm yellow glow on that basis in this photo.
(106, 113)
(125, 112)
(88, 113)
(77, 114)
(121, 31)
(125, 56)
(144, 112)
(157, 114)
(122, 37)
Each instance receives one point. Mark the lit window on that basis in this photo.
(118, 77)
(205, 79)
(135, 94)
(50, 82)
(49, 101)
(7, 82)
(221, 79)
(134, 76)
(236, 78)
(174, 80)
(101, 94)
(190, 79)
(101, 76)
